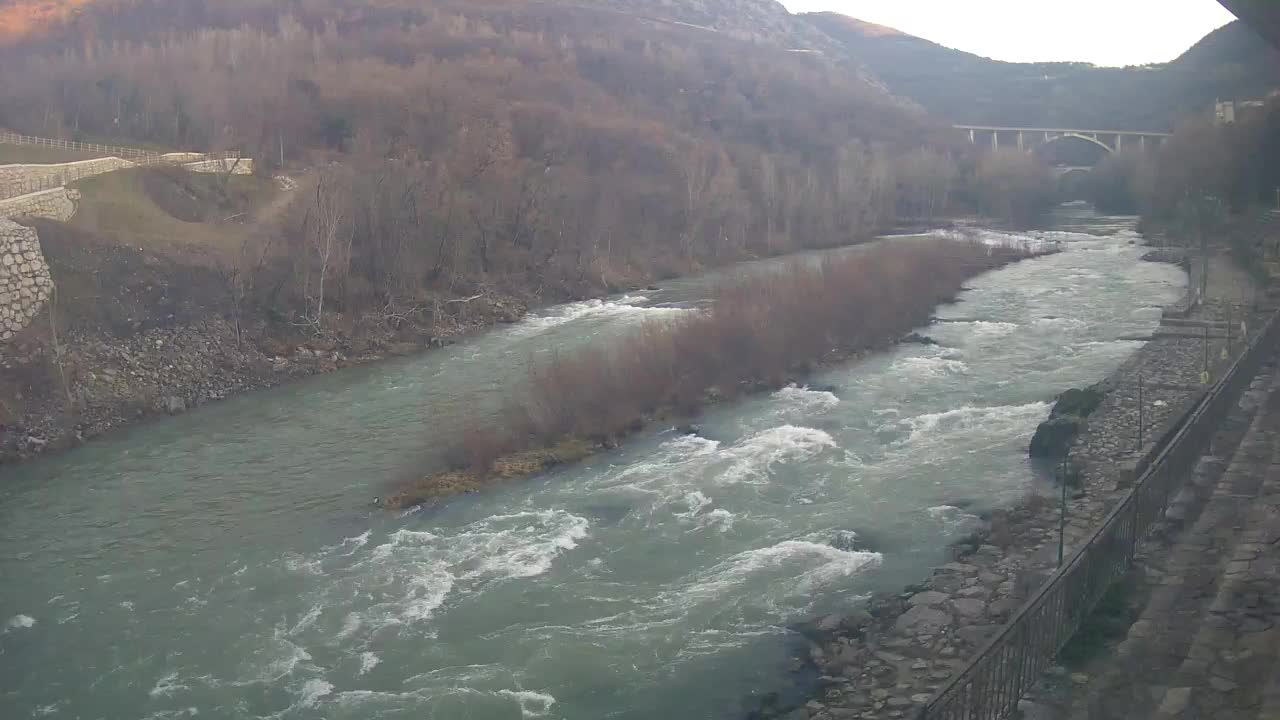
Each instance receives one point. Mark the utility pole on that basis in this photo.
(1062, 522)
(1140, 409)
(1206, 353)
(1229, 348)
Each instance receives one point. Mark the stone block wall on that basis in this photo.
(237, 166)
(23, 179)
(25, 283)
(56, 204)
(178, 158)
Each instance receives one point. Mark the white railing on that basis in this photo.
(107, 150)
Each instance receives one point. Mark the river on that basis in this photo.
(228, 563)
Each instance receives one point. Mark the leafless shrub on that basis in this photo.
(759, 330)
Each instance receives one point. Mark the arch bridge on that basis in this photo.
(1030, 139)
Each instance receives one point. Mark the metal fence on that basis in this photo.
(122, 152)
(991, 685)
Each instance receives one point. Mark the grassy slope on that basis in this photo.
(182, 216)
(34, 155)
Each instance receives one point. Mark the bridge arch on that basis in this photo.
(1074, 136)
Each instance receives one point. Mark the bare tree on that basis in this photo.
(328, 234)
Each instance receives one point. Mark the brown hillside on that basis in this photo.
(20, 19)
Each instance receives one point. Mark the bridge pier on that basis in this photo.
(1021, 145)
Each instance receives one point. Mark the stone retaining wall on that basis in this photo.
(25, 283)
(24, 179)
(177, 158)
(56, 204)
(236, 166)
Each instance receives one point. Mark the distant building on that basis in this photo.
(1224, 113)
(1228, 111)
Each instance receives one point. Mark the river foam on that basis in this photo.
(929, 368)
(807, 565)
(19, 622)
(988, 421)
(803, 400)
(753, 459)
(626, 306)
(532, 704)
(405, 579)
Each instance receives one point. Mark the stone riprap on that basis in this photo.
(56, 204)
(23, 179)
(25, 283)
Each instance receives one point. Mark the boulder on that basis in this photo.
(928, 599)
(969, 608)
(1003, 609)
(976, 634)
(1053, 437)
(974, 591)
(918, 339)
(1078, 403)
(922, 618)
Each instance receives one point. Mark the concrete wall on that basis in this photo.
(22, 179)
(237, 166)
(56, 204)
(25, 283)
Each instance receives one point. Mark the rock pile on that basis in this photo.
(887, 660)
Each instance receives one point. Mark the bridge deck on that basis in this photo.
(1130, 133)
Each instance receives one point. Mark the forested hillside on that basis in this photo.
(1230, 63)
(461, 146)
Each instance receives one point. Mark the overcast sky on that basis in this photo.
(1104, 32)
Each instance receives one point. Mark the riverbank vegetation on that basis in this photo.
(760, 333)
(1207, 183)
(1013, 186)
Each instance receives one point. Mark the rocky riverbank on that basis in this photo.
(886, 660)
(56, 394)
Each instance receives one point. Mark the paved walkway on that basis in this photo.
(1207, 643)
